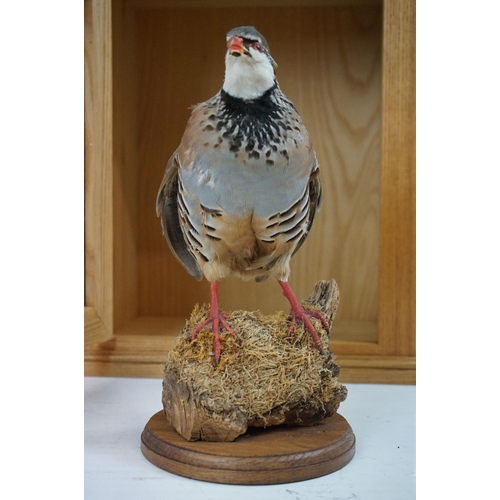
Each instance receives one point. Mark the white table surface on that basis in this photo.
(117, 409)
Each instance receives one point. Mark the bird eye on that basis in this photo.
(258, 46)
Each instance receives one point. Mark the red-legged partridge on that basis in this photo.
(240, 193)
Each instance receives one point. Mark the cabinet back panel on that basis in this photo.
(330, 65)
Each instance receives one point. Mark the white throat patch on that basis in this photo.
(248, 77)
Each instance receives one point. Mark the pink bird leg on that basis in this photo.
(214, 318)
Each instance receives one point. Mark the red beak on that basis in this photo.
(235, 44)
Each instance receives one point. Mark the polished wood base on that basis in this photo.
(274, 455)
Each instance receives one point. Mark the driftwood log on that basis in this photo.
(264, 377)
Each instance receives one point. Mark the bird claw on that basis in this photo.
(298, 313)
(312, 313)
(212, 322)
(303, 316)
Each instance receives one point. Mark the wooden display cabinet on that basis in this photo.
(349, 67)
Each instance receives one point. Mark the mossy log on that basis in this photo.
(264, 377)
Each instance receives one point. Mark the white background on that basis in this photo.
(41, 264)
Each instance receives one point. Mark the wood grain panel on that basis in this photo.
(339, 97)
(98, 180)
(125, 171)
(95, 330)
(330, 65)
(249, 3)
(397, 263)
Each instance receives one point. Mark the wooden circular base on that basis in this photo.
(262, 456)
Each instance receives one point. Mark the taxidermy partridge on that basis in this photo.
(240, 193)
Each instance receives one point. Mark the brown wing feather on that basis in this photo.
(315, 199)
(168, 211)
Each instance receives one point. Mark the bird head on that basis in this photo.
(249, 65)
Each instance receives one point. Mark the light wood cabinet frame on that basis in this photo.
(122, 342)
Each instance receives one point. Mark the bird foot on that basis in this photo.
(304, 316)
(213, 321)
(311, 313)
(298, 313)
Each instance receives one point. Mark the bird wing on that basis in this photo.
(168, 210)
(315, 200)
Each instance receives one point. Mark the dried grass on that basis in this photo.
(263, 373)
